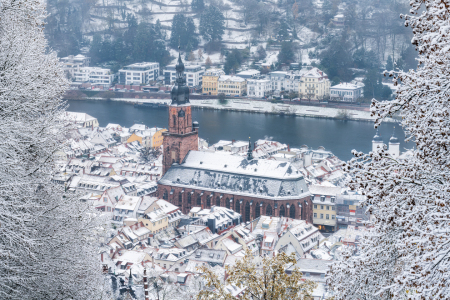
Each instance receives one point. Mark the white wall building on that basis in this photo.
(139, 73)
(258, 87)
(277, 80)
(314, 85)
(74, 63)
(193, 73)
(346, 92)
(94, 75)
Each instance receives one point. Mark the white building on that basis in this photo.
(258, 87)
(232, 85)
(81, 119)
(277, 80)
(314, 85)
(346, 92)
(139, 73)
(193, 73)
(74, 63)
(94, 75)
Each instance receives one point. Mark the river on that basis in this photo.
(340, 137)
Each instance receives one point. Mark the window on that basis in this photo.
(333, 199)
(315, 206)
(322, 198)
(315, 215)
(333, 217)
(321, 207)
(328, 216)
(333, 208)
(328, 208)
(105, 199)
(321, 216)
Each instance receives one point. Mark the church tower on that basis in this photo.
(182, 135)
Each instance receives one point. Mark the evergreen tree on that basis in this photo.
(183, 33)
(48, 244)
(208, 63)
(212, 24)
(286, 54)
(389, 64)
(197, 5)
(233, 61)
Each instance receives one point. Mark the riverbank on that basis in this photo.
(263, 107)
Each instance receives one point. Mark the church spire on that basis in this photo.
(180, 92)
(249, 152)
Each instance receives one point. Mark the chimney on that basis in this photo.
(111, 251)
(289, 148)
(101, 256)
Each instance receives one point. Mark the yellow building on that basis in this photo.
(157, 138)
(155, 221)
(314, 85)
(232, 85)
(134, 137)
(324, 206)
(210, 81)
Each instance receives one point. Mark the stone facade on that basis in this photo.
(181, 137)
(186, 198)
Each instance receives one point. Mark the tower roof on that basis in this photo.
(180, 92)
(393, 139)
(377, 137)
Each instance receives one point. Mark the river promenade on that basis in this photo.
(265, 107)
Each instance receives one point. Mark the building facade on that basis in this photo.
(194, 75)
(210, 81)
(97, 76)
(139, 73)
(72, 63)
(324, 211)
(232, 85)
(346, 92)
(258, 88)
(314, 85)
(182, 135)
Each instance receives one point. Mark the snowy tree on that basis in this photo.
(212, 24)
(263, 281)
(405, 254)
(48, 246)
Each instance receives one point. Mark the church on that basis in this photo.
(251, 187)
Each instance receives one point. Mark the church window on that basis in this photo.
(292, 212)
(282, 211)
(165, 195)
(268, 210)
(218, 201)
(227, 203)
(180, 198)
(238, 207)
(199, 200)
(208, 201)
(189, 198)
(257, 210)
(247, 212)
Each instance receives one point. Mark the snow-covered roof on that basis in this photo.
(345, 86)
(231, 78)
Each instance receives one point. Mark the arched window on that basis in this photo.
(237, 207)
(247, 212)
(165, 195)
(189, 198)
(292, 212)
(282, 212)
(227, 203)
(208, 201)
(199, 200)
(218, 201)
(257, 210)
(180, 198)
(269, 210)
(174, 121)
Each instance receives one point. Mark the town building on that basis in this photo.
(94, 75)
(314, 85)
(277, 80)
(301, 235)
(249, 74)
(324, 201)
(193, 73)
(71, 64)
(210, 81)
(232, 85)
(258, 88)
(139, 73)
(81, 119)
(348, 210)
(346, 92)
(218, 219)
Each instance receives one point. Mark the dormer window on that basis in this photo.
(322, 198)
(333, 199)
